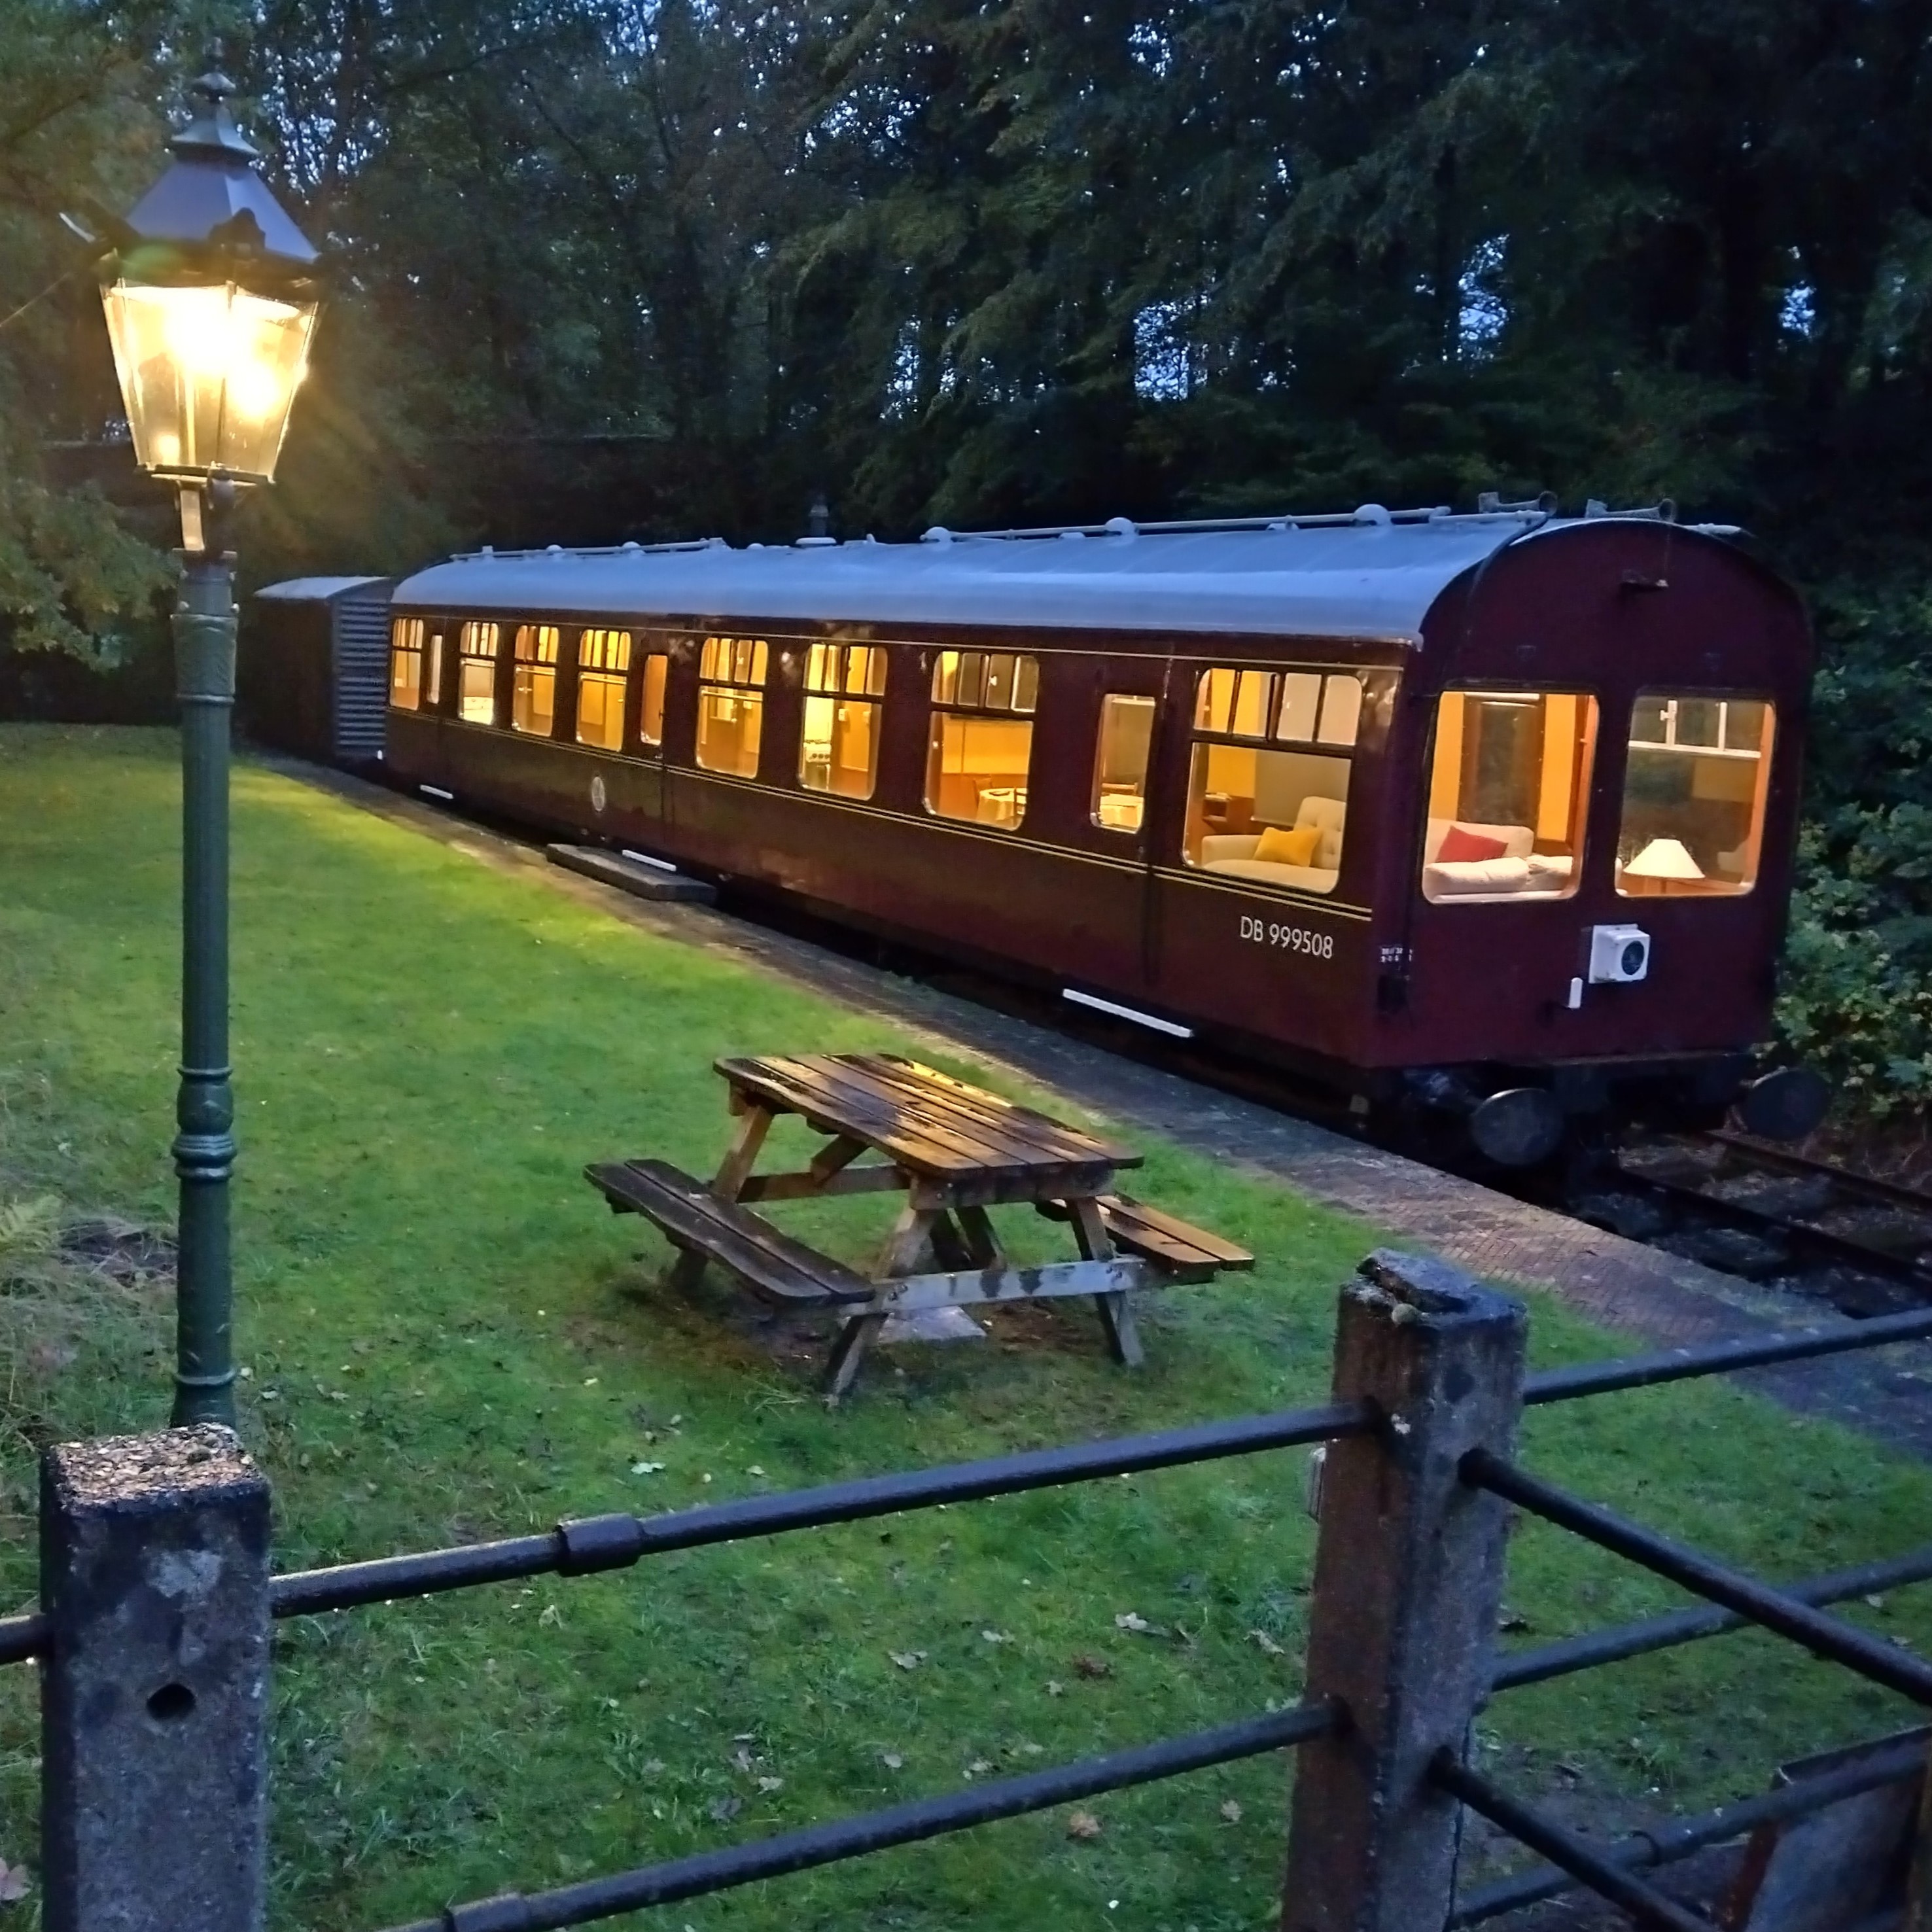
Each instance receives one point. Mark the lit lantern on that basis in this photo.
(210, 298)
(210, 306)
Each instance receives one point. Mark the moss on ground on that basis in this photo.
(446, 1336)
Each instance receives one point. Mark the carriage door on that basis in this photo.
(1112, 814)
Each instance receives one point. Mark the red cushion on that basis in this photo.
(1459, 843)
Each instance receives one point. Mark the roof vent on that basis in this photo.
(1596, 507)
(553, 550)
(938, 534)
(1073, 536)
(1373, 513)
(1122, 526)
(631, 547)
(489, 549)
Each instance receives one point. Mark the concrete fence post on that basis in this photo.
(1409, 1574)
(154, 1701)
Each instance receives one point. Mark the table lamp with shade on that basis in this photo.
(1662, 861)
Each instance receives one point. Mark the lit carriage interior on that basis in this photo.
(1414, 803)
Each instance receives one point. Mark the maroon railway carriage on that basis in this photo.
(1493, 814)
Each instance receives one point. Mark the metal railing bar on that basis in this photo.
(614, 1542)
(1723, 1357)
(343, 1586)
(852, 1838)
(1825, 1636)
(1570, 1655)
(24, 1636)
(1665, 1844)
(1648, 1906)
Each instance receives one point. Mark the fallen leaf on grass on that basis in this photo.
(741, 1759)
(771, 1784)
(723, 1810)
(892, 1761)
(1232, 1810)
(1132, 1620)
(645, 1468)
(14, 1883)
(1054, 1688)
(907, 1659)
(996, 1637)
(1087, 1666)
(1083, 1824)
(1267, 1643)
(979, 1767)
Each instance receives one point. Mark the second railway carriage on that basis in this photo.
(1491, 814)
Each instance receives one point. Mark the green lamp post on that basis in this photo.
(212, 302)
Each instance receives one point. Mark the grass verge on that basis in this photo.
(446, 1336)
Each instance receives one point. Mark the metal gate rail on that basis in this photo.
(1428, 1386)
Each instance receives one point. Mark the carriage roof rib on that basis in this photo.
(1372, 575)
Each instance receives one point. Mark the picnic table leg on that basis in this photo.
(688, 1270)
(905, 1246)
(982, 1244)
(849, 1352)
(1117, 1318)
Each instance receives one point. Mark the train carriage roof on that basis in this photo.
(1374, 575)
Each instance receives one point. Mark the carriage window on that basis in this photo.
(731, 704)
(981, 745)
(839, 751)
(1693, 795)
(476, 689)
(533, 697)
(406, 663)
(1509, 790)
(651, 698)
(1120, 761)
(603, 663)
(1267, 788)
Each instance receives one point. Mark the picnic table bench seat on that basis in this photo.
(695, 1219)
(1187, 1253)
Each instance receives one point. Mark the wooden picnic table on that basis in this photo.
(891, 1125)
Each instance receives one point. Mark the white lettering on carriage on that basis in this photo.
(1288, 938)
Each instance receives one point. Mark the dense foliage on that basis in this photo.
(616, 267)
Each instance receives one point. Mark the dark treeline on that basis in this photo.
(605, 269)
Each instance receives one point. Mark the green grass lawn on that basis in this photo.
(446, 1336)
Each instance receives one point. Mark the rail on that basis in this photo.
(1428, 1385)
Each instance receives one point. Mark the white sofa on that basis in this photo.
(1520, 872)
(1234, 852)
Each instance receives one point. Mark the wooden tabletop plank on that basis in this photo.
(853, 1108)
(915, 1110)
(922, 1119)
(1054, 1138)
(897, 1123)
(1016, 1138)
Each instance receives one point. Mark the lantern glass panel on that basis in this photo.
(207, 374)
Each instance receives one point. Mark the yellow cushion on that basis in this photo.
(1281, 847)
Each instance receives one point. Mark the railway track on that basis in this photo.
(1862, 1245)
